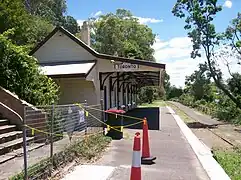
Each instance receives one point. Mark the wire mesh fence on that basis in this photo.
(50, 130)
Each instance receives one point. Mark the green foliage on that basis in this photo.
(28, 29)
(121, 34)
(234, 84)
(230, 161)
(198, 84)
(147, 94)
(199, 16)
(174, 92)
(154, 104)
(71, 25)
(187, 100)
(171, 92)
(19, 73)
(53, 11)
(202, 94)
(226, 109)
(25, 23)
(167, 83)
(233, 35)
(33, 20)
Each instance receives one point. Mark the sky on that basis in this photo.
(172, 45)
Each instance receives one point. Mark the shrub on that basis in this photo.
(226, 109)
(147, 94)
(187, 100)
(20, 73)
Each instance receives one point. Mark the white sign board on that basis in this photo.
(126, 67)
(82, 116)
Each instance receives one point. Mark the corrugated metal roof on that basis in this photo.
(81, 68)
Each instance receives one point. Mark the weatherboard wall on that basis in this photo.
(60, 48)
(76, 90)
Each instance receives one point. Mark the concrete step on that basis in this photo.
(7, 128)
(10, 136)
(12, 145)
(18, 152)
(4, 122)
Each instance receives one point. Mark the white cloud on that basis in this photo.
(98, 13)
(80, 22)
(175, 48)
(175, 53)
(180, 42)
(143, 20)
(159, 44)
(228, 4)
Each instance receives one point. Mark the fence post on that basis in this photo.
(86, 124)
(51, 138)
(25, 144)
(102, 114)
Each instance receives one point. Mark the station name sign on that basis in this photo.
(126, 66)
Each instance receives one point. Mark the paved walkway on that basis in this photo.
(175, 157)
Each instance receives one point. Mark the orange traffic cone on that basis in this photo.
(136, 158)
(146, 158)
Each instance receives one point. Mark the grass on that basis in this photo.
(86, 149)
(157, 103)
(180, 113)
(230, 162)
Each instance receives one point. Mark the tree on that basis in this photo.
(121, 34)
(28, 29)
(51, 10)
(233, 35)
(19, 73)
(54, 12)
(71, 25)
(198, 84)
(146, 94)
(174, 92)
(199, 16)
(167, 83)
(234, 84)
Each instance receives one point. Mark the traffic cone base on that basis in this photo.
(146, 157)
(147, 160)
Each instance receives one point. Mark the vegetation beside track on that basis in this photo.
(156, 103)
(230, 161)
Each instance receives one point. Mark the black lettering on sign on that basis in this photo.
(126, 66)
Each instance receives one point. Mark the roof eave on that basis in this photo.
(93, 52)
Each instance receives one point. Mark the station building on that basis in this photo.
(86, 75)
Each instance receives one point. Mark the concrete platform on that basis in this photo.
(90, 172)
(175, 157)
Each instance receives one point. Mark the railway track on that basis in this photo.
(207, 127)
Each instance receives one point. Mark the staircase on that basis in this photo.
(11, 141)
